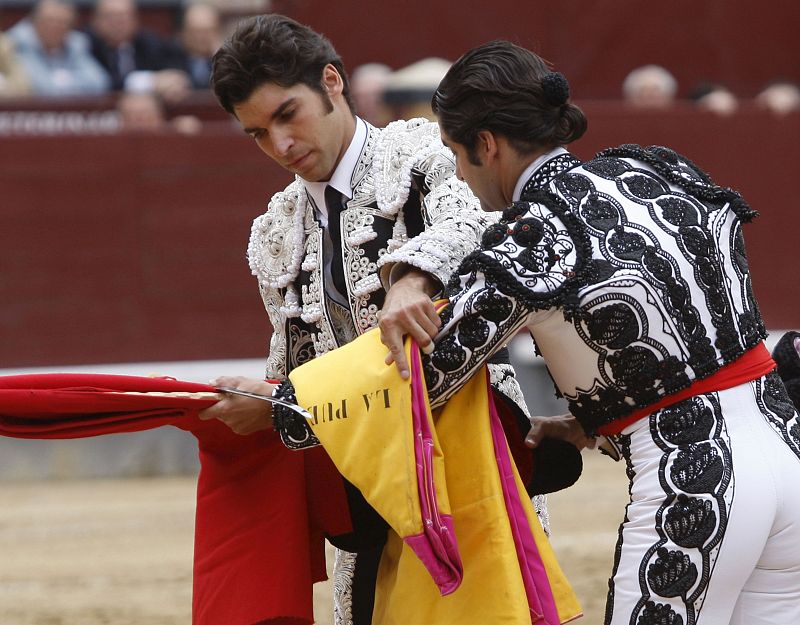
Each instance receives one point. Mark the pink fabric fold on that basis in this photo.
(537, 585)
(436, 547)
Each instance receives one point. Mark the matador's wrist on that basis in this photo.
(294, 430)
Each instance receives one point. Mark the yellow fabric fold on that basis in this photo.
(363, 418)
(362, 409)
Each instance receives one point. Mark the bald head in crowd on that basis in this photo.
(53, 20)
(650, 86)
(116, 21)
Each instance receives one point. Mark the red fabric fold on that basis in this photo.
(262, 510)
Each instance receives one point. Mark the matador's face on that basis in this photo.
(482, 179)
(304, 131)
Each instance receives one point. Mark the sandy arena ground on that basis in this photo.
(118, 552)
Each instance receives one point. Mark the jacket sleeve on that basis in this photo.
(276, 358)
(453, 219)
(274, 254)
(531, 262)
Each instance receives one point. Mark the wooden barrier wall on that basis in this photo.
(133, 248)
(741, 43)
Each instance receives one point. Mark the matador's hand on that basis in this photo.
(409, 310)
(243, 415)
(565, 427)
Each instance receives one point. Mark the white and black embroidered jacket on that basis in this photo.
(628, 270)
(407, 206)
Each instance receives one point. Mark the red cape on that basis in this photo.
(262, 510)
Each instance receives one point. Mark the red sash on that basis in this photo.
(753, 364)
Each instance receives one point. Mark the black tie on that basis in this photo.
(125, 61)
(334, 204)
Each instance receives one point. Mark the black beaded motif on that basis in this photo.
(696, 475)
(641, 372)
(777, 406)
(659, 614)
(525, 255)
(547, 172)
(787, 358)
(295, 433)
(535, 258)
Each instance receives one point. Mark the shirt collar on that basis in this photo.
(531, 169)
(342, 178)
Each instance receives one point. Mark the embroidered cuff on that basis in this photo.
(294, 431)
(394, 271)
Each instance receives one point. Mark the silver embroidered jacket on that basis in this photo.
(407, 206)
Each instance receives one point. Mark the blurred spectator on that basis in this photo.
(56, 58)
(14, 81)
(199, 37)
(141, 112)
(409, 90)
(367, 83)
(146, 113)
(650, 86)
(135, 58)
(714, 97)
(780, 97)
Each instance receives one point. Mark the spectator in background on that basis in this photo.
(141, 112)
(409, 90)
(14, 81)
(780, 97)
(55, 57)
(714, 97)
(367, 83)
(650, 86)
(136, 58)
(199, 38)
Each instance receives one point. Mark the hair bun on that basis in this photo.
(555, 88)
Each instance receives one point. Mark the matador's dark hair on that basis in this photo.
(510, 91)
(272, 49)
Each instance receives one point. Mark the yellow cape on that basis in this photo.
(431, 476)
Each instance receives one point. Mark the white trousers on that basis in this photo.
(712, 532)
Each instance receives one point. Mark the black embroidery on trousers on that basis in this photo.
(777, 407)
(624, 445)
(659, 614)
(695, 473)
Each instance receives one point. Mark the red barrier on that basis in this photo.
(133, 248)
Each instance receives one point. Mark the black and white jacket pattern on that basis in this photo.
(630, 273)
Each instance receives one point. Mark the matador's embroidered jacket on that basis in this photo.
(628, 270)
(407, 206)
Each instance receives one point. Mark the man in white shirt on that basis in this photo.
(56, 58)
